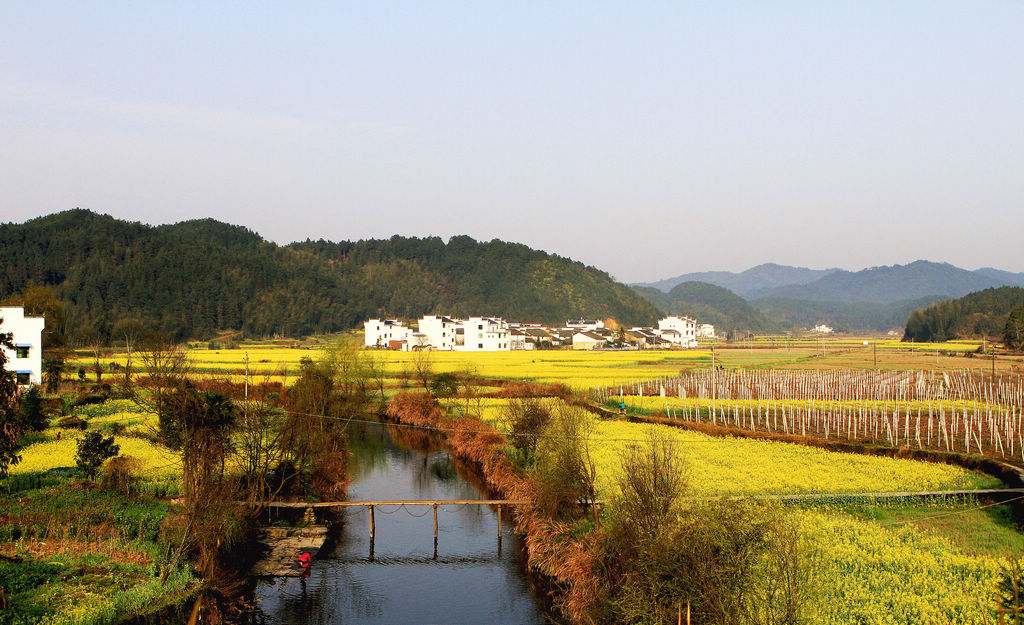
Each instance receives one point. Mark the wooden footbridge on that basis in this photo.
(370, 505)
(1000, 495)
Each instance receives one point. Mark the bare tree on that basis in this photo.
(565, 472)
(652, 483)
(422, 368)
(132, 330)
(376, 370)
(167, 369)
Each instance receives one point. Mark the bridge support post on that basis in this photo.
(499, 520)
(435, 523)
(372, 524)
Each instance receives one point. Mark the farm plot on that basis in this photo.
(961, 411)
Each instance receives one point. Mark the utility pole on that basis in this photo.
(247, 377)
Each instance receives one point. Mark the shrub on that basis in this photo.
(93, 449)
(32, 417)
(121, 474)
(86, 399)
(415, 409)
(733, 562)
(72, 423)
(565, 472)
(1011, 591)
(525, 420)
(652, 483)
(532, 389)
(444, 385)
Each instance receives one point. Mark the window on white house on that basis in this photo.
(479, 345)
(24, 378)
(21, 351)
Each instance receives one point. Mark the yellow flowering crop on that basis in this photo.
(735, 466)
(880, 576)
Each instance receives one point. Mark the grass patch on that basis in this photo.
(968, 526)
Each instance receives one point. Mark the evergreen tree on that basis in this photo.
(32, 417)
(93, 449)
(1013, 333)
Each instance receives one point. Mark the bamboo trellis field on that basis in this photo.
(960, 411)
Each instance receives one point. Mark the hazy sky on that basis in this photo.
(648, 139)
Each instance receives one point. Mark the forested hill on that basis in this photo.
(975, 315)
(712, 304)
(196, 277)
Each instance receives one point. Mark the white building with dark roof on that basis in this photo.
(441, 331)
(385, 333)
(26, 359)
(588, 340)
(485, 334)
(706, 331)
(585, 325)
(678, 330)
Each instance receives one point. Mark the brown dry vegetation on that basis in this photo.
(552, 549)
(39, 549)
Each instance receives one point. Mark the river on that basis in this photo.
(469, 576)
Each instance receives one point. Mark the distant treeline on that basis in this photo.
(195, 278)
(842, 316)
(981, 314)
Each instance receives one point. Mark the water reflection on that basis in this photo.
(404, 575)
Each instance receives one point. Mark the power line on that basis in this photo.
(951, 513)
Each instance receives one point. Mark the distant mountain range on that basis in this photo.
(757, 278)
(885, 284)
(874, 299)
(896, 283)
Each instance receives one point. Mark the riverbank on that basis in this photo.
(556, 552)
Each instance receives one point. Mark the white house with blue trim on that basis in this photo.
(26, 359)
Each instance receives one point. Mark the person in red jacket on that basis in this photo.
(305, 560)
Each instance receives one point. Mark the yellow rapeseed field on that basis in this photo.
(879, 575)
(735, 466)
(158, 463)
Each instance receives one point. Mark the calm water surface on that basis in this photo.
(400, 577)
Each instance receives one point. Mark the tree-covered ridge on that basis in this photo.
(466, 277)
(980, 314)
(197, 277)
(707, 303)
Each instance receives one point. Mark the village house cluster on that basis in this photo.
(26, 359)
(489, 334)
